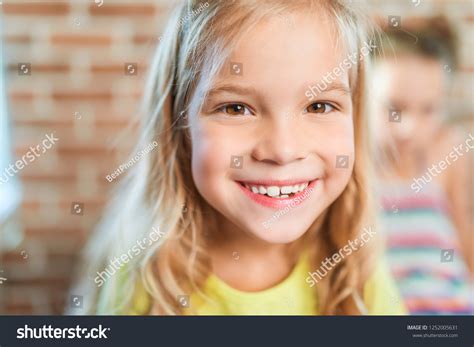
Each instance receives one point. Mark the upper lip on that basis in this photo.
(278, 183)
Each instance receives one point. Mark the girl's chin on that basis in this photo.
(279, 234)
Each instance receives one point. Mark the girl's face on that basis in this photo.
(414, 86)
(264, 154)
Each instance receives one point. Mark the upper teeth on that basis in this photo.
(275, 191)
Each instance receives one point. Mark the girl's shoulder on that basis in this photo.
(381, 294)
(121, 297)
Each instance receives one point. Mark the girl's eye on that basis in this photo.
(235, 110)
(319, 107)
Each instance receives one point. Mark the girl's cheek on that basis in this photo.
(212, 148)
(331, 141)
(337, 152)
(204, 160)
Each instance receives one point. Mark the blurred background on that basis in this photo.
(77, 69)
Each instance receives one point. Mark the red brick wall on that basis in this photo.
(78, 90)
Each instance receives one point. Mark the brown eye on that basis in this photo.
(235, 110)
(319, 107)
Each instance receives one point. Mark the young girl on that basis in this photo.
(257, 183)
(426, 174)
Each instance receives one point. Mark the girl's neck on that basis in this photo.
(247, 263)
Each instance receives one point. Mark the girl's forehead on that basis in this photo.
(417, 75)
(297, 48)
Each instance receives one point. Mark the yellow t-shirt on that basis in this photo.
(292, 296)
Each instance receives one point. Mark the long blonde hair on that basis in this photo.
(160, 184)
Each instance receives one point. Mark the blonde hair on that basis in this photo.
(157, 187)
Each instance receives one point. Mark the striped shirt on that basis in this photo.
(423, 250)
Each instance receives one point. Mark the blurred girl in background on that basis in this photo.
(426, 169)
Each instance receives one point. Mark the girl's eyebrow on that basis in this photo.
(232, 88)
(240, 90)
(337, 86)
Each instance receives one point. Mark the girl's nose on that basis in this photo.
(281, 141)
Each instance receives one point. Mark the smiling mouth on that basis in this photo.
(275, 191)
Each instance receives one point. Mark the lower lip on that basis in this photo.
(278, 203)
